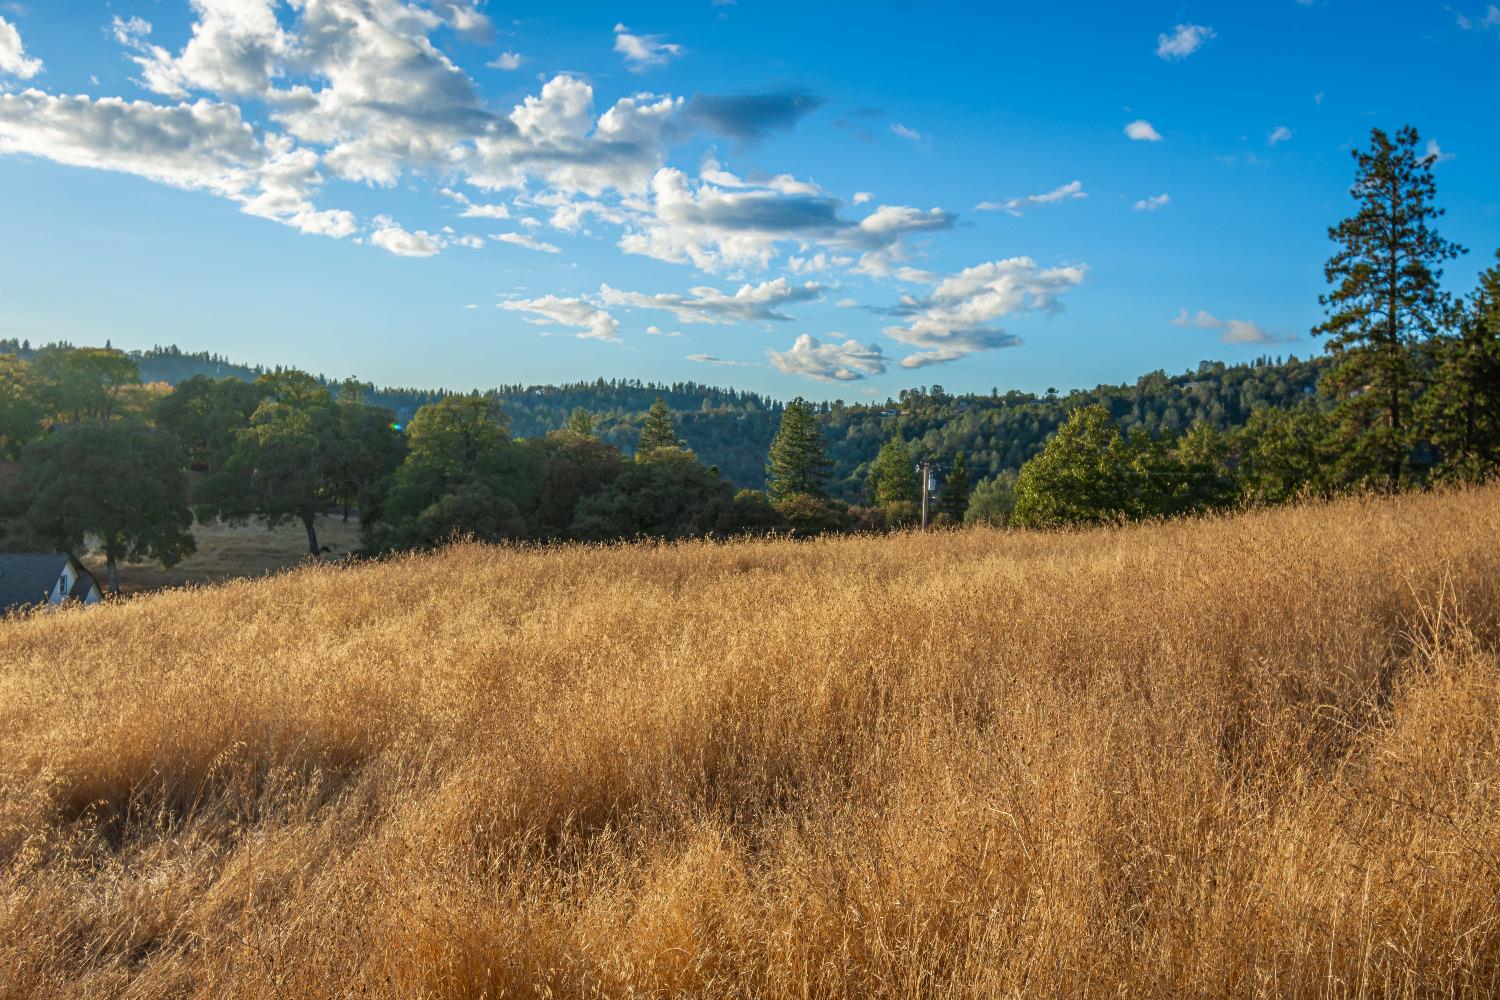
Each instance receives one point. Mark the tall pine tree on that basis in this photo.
(953, 498)
(659, 430)
(798, 463)
(1384, 300)
(1461, 410)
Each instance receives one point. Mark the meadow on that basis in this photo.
(1249, 755)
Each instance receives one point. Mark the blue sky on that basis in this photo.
(835, 200)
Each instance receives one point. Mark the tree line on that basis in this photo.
(1408, 392)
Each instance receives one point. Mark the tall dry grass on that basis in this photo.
(1254, 756)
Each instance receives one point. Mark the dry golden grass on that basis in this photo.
(227, 551)
(1254, 756)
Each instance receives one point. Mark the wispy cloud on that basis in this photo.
(907, 133)
(1183, 41)
(642, 52)
(1231, 331)
(1279, 134)
(1013, 206)
(1153, 203)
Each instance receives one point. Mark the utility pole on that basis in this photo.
(926, 489)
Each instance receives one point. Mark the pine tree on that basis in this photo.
(953, 499)
(895, 485)
(659, 431)
(1385, 299)
(581, 422)
(798, 462)
(1461, 410)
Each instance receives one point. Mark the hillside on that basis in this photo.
(732, 429)
(1250, 756)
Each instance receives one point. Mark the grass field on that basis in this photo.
(1256, 756)
(228, 551)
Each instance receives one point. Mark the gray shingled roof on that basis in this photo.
(28, 579)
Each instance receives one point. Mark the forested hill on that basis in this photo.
(733, 429)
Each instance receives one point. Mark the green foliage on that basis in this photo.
(85, 383)
(20, 406)
(1384, 298)
(1087, 474)
(578, 466)
(993, 500)
(895, 484)
(665, 493)
(798, 461)
(283, 466)
(1460, 413)
(580, 422)
(659, 431)
(806, 514)
(204, 414)
(1284, 454)
(953, 498)
(119, 483)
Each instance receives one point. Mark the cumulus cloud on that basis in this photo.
(1141, 130)
(749, 303)
(507, 61)
(591, 322)
(642, 52)
(389, 236)
(750, 118)
(1231, 331)
(1014, 206)
(848, 361)
(234, 49)
(529, 242)
(1153, 203)
(1184, 40)
(959, 317)
(713, 225)
(13, 58)
(1278, 134)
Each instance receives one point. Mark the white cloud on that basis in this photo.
(909, 134)
(642, 52)
(860, 197)
(1435, 153)
(529, 242)
(1278, 134)
(848, 361)
(1489, 19)
(13, 58)
(389, 236)
(592, 322)
(1013, 206)
(710, 359)
(506, 60)
(713, 226)
(657, 331)
(959, 317)
(1184, 40)
(1142, 131)
(749, 303)
(1153, 203)
(1231, 331)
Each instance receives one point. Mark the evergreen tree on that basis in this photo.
(1086, 474)
(581, 422)
(659, 430)
(798, 462)
(953, 498)
(993, 500)
(1384, 299)
(20, 407)
(1461, 409)
(895, 485)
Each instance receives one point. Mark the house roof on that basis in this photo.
(27, 579)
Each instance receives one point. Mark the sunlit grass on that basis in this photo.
(1236, 757)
